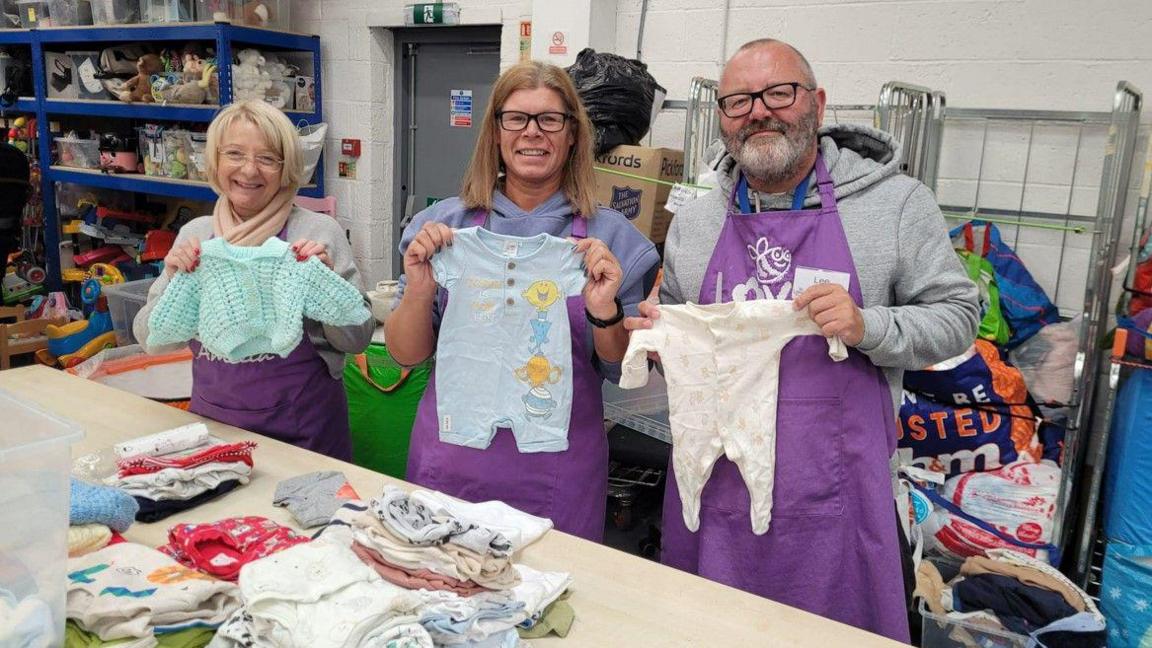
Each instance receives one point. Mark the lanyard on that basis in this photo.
(798, 194)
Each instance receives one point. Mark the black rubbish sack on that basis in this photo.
(617, 93)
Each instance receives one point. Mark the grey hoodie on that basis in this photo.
(919, 305)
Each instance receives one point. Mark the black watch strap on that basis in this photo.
(599, 323)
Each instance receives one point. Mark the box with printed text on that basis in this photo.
(635, 181)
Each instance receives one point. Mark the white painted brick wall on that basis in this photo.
(1035, 54)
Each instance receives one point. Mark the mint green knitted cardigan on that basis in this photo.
(247, 301)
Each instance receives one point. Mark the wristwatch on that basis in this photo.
(599, 323)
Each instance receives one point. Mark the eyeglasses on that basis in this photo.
(233, 157)
(774, 97)
(549, 122)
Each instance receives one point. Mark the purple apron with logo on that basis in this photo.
(569, 487)
(832, 548)
(294, 399)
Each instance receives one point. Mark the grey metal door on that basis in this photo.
(445, 79)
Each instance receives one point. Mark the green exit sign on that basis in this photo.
(432, 13)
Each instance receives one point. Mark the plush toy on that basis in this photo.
(139, 87)
(249, 79)
(194, 90)
(257, 13)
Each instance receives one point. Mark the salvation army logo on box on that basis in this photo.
(626, 200)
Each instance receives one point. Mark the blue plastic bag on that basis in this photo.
(1023, 303)
(1128, 478)
(1126, 595)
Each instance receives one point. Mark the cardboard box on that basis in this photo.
(639, 198)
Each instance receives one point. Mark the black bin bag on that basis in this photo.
(617, 93)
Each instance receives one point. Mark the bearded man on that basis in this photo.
(823, 217)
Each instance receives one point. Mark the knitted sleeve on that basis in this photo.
(176, 316)
(328, 298)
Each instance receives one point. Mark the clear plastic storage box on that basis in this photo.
(124, 301)
(33, 14)
(165, 11)
(70, 13)
(78, 152)
(644, 409)
(115, 12)
(35, 459)
(266, 14)
(942, 632)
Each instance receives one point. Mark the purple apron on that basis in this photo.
(569, 487)
(832, 548)
(294, 399)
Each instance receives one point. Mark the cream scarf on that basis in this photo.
(255, 230)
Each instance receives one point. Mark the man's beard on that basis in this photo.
(776, 158)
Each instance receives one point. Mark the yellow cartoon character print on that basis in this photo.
(537, 372)
(542, 294)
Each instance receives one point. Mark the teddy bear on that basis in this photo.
(139, 87)
(257, 13)
(249, 78)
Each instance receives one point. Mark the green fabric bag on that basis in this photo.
(993, 326)
(382, 401)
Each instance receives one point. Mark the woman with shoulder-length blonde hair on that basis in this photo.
(531, 174)
(255, 165)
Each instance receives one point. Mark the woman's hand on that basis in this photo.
(604, 278)
(183, 257)
(431, 238)
(306, 249)
(649, 313)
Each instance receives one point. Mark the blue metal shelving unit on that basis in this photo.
(223, 35)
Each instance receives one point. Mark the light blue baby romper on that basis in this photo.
(504, 357)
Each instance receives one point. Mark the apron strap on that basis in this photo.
(823, 181)
(480, 218)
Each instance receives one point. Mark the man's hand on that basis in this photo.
(832, 308)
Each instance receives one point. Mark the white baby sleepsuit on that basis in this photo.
(722, 364)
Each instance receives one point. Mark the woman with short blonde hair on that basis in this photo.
(531, 174)
(255, 166)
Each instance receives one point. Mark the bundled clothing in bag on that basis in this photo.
(1024, 305)
(968, 413)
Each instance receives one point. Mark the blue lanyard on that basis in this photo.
(798, 195)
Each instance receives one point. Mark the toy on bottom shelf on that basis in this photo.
(73, 343)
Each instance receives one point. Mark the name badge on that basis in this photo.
(807, 277)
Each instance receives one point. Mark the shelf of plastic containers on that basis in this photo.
(644, 410)
(176, 32)
(161, 186)
(153, 111)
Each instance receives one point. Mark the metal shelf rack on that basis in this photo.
(223, 35)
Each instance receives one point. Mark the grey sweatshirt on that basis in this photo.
(919, 305)
(332, 342)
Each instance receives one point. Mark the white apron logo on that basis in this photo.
(772, 265)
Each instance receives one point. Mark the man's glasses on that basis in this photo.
(774, 97)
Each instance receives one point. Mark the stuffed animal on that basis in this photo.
(194, 90)
(257, 13)
(139, 87)
(249, 79)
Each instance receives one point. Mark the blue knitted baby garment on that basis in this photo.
(246, 301)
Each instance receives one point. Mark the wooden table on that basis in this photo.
(619, 599)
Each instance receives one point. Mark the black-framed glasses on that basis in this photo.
(549, 122)
(774, 97)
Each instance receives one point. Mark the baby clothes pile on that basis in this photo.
(320, 595)
(221, 548)
(314, 497)
(129, 591)
(1007, 591)
(410, 547)
(167, 484)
